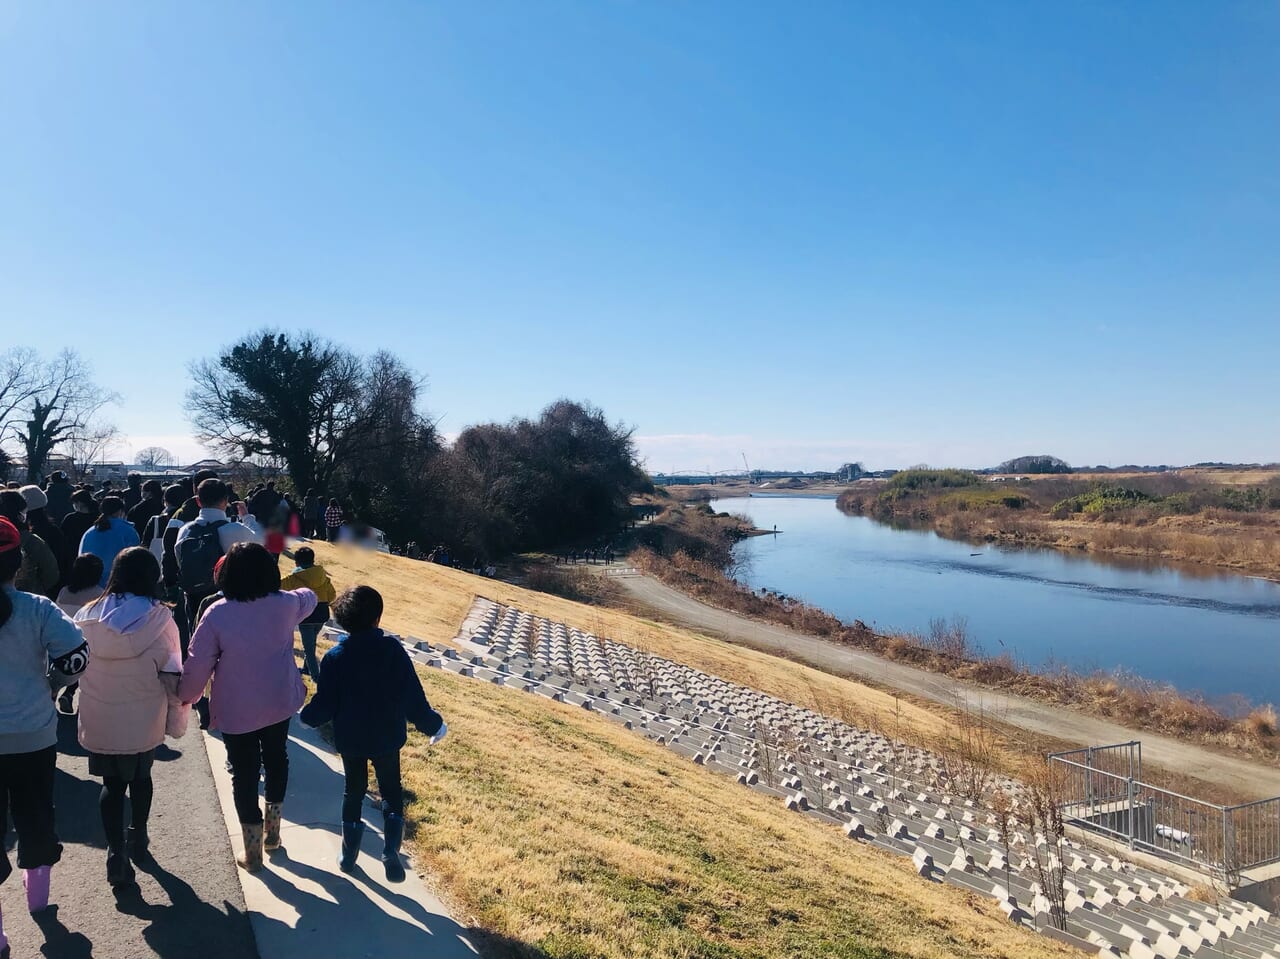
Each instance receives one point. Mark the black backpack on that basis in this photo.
(197, 555)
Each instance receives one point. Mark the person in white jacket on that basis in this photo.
(125, 693)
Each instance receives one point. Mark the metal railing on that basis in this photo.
(1101, 790)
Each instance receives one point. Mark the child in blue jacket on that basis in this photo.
(369, 690)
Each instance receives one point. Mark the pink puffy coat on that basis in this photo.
(123, 699)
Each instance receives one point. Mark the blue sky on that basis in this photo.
(813, 232)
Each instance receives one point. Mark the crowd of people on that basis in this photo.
(152, 601)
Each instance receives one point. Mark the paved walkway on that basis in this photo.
(1241, 775)
(300, 905)
(189, 907)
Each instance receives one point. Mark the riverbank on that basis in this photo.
(1165, 517)
(949, 651)
(1035, 725)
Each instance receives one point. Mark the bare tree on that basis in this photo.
(63, 404)
(152, 459)
(21, 378)
(90, 444)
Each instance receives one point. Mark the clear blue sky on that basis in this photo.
(895, 232)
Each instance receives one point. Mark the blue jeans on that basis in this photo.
(309, 632)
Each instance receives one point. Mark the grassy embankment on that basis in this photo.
(564, 835)
(1197, 517)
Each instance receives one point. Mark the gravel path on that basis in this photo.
(191, 906)
(1242, 776)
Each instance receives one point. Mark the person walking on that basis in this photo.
(132, 494)
(310, 576)
(151, 505)
(369, 690)
(197, 547)
(81, 588)
(332, 520)
(210, 535)
(40, 571)
(82, 584)
(110, 535)
(84, 513)
(38, 522)
(244, 644)
(312, 514)
(134, 665)
(58, 490)
(40, 652)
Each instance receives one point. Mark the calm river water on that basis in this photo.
(1219, 634)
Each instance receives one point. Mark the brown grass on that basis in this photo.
(565, 835)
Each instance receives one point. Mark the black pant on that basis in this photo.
(111, 806)
(249, 753)
(356, 768)
(26, 790)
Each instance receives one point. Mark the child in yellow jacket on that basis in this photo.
(313, 577)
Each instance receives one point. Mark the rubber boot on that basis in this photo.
(271, 826)
(36, 883)
(251, 861)
(139, 846)
(4, 940)
(352, 833)
(119, 869)
(393, 828)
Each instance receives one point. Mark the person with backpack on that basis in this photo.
(244, 643)
(111, 534)
(369, 690)
(41, 650)
(134, 664)
(199, 545)
(201, 542)
(313, 577)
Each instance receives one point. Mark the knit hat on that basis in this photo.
(34, 496)
(10, 538)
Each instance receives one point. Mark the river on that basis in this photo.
(1217, 633)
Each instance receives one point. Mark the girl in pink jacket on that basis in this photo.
(135, 661)
(245, 643)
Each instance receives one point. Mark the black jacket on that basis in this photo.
(144, 512)
(74, 526)
(369, 690)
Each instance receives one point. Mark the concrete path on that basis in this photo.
(189, 907)
(1245, 777)
(300, 905)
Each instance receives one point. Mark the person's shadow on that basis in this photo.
(351, 914)
(59, 941)
(224, 931)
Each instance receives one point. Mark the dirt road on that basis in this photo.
(660, 600)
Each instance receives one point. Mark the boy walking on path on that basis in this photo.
(312, 577)
(369, 689)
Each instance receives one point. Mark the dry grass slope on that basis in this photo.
(571, 837)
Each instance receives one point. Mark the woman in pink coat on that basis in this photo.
(134, 662)
(245, 643)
